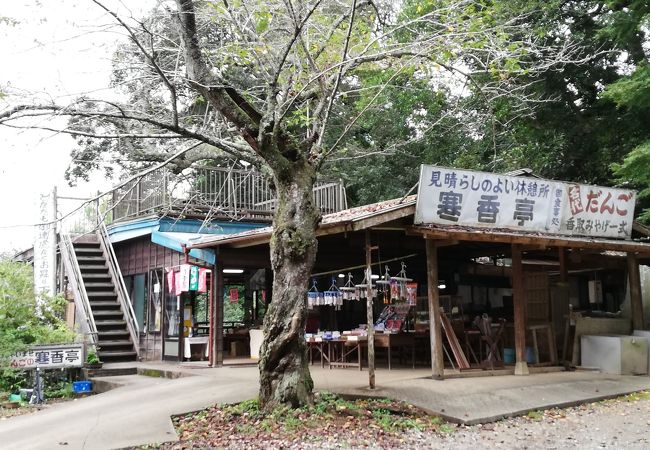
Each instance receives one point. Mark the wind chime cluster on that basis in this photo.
(389, 288)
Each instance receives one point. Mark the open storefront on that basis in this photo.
(458, 296)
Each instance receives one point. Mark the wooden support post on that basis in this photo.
(369, 314)
(521, 367)
(564, 273)
(435, 331)
(217, 298)
(563, 303)
(636, 301)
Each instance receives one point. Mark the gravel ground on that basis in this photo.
(622, 423)
(617, 424)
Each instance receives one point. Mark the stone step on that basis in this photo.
(105, 304)
(97, 276)
(116, 343)
(93, 267)
(108, 372)
(104, 313)
(95, 250)
(91, 259)
(121, 355)
(110, 323)
(111, 335)
(92, 294)
(98, 285)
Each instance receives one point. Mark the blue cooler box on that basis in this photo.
(79, 387)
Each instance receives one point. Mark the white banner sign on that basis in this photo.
(481, 199)
(45, 246)
(49, 357)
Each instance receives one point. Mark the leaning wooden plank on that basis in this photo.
(456, 349)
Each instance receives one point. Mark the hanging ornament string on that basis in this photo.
(398, 284)
(384, 286)
(333, 296)
(314, 297)
(349, 290)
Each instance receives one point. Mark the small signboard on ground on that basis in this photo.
(49, 357)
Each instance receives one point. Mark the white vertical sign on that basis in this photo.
(45, 245)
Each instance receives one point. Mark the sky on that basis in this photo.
(55, 50)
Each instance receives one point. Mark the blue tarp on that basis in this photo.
(176, 241)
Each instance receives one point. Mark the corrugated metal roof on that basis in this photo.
(347, 216)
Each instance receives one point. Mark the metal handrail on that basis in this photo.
(78, 287)
(120, 287)
(235, 193)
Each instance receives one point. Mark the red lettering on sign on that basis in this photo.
(592, 201)
(574, 200)
(624, 198)
(605, 206)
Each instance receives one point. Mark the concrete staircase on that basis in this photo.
(114, 341)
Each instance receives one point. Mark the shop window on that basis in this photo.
(233, 304)
(172, 315)
(155, 301)
(201, 307)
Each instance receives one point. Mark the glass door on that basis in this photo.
(172, 324)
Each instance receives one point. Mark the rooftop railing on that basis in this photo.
(213, 192)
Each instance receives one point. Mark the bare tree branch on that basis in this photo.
(150, 57)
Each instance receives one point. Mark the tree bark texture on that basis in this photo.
(284, 371)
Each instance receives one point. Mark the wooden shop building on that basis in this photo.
(498, 272)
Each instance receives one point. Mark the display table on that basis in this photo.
(193, 342)
(396, 340)
(322, 349)
(337, 352)
(341, 349)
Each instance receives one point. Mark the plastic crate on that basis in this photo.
(79, 387)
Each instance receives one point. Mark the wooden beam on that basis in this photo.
(435, 331)
(447, 243)
(548, 241)
(521, 367)
(636, 300)
(369, 315)
(384, 217)
(636, 226)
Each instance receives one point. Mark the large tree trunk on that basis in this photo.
(284, 371)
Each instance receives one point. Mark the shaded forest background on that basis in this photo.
(587, 123)
(583, 122)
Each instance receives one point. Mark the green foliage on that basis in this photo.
(407, 124)
(632, 95)
(631, 92)
(56, 384)
(92, 358)
(635, 170)
(24, 320)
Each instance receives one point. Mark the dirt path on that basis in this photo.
(616, 424)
